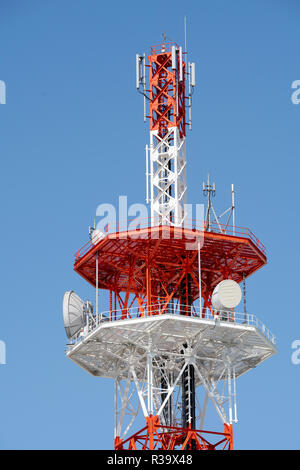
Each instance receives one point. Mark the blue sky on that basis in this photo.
(72, 136)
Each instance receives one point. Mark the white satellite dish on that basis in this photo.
(97, 235)
(226, 295)
(73, 313)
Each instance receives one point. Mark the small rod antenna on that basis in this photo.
(144, 85)
(233, 208)
(234, 396)
(185, 49)
(209, 190)
(177, 73)
(147, 175)
(244, 298)
(199, 275)
(190, 96)
(97, 284)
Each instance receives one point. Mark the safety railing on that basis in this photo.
(160, 48)
(217, 317)
(130, 228)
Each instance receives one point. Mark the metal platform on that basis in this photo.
(162, 256)
(109, 347)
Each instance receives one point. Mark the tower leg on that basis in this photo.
(228, 432)
(154, 436)
(164, 387)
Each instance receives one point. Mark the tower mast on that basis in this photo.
(169, 351)
(167, 112)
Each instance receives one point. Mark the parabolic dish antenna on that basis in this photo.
(226, 295)
(73, 313)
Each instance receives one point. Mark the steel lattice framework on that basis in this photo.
(167, 135)
(169, 352)
(154, 337)
(163, 257)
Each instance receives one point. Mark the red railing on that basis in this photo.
(161, 48)
(135, 224)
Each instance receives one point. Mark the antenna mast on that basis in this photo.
(171, 338)
(210, 191)
(166, 154)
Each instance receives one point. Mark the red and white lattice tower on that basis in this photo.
(170, 339)
(167, 134)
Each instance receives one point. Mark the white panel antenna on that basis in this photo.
(193, 74)
(139, 72)
(180, 65)
(141, 77)
(174, 58)
(192, 84)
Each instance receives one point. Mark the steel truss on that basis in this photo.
(167, 135)
(167, 177)
(168, 360)
(161, 406)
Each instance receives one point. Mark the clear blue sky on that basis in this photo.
(72, 136)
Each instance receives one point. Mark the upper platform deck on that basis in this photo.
(168, 252)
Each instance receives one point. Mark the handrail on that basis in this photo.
(134, 224)
(158, 48)
(222, 316)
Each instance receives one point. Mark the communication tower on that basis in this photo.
(172, 338)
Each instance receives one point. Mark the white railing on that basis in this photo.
(214, 316)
